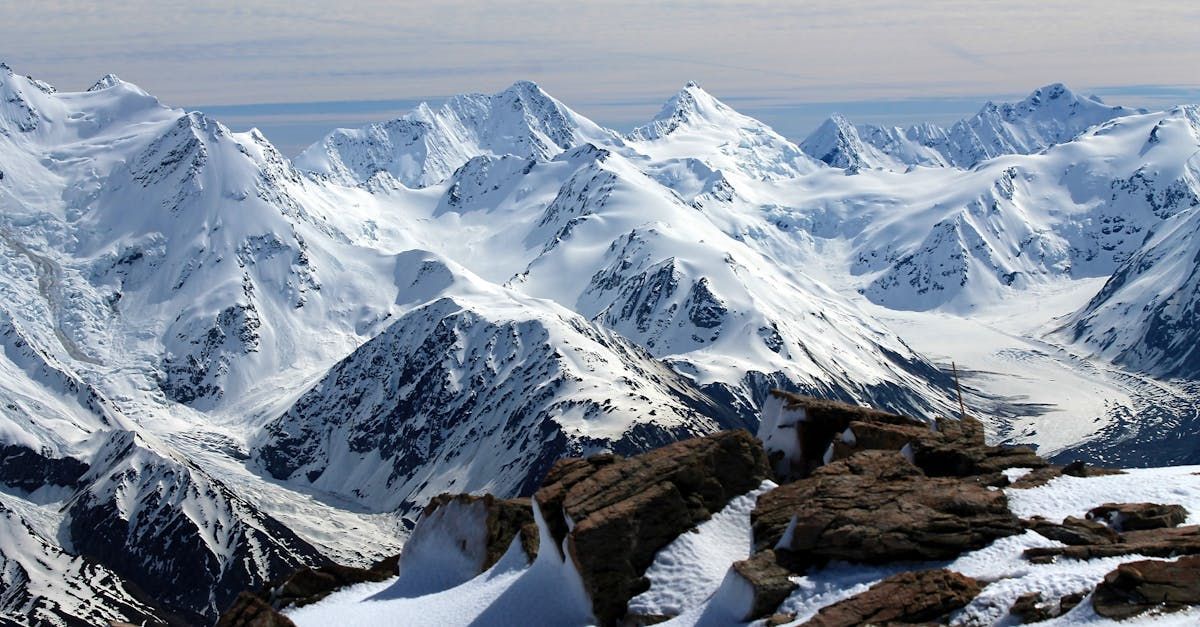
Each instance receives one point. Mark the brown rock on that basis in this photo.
(625, 510)
(1032, 608)
(1137, 587)
(1074, 531)
(947, 448)
(1152, 543)
(1069, 601)
(1042, 476)
(505, 520)
(911, 597)
(877, 507)
(1139, 516)
(770, 582)
(249, 610)
(302, 587)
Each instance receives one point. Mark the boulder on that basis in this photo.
(503, 520)
(1137, 587)
(1033, 608)
(615, 514)
(877, 507)
(906, 598)
(769, 583)
(1036, 607)
(1139, 516)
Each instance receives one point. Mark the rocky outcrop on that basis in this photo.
(302, 587)
(1116, 529)
(1035, 607)
(1151, 542)
(250, 610)
(1043, 475)
(1138, 587)
(1139, 516)
(1074, 531)
(502, 520)
(877, 507)
(615, 514)
(803, 433)
(906, 598)
(770, 583)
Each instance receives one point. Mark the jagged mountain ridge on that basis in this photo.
(1050, 115)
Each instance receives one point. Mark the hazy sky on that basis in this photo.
(297, 68)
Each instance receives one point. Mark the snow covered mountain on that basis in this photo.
(477, 389)
(1050, 115)
(217, 364)
(425, 146)
(1145, 316)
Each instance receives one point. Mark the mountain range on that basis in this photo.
(220, 363)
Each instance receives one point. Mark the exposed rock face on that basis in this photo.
(503, 520)
(877, 507)
(1036, 607)
(24, 468)
(616, 513)
(802, 433)
(251, 611)
(1075, 531)
(302, 587)
(1136, 587)
(1139, 516)
(1043, 475)
(1115, 529)
(912, 597)
(1151, 542)
(769, 581)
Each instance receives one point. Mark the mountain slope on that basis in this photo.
(1147, 315)
(476, 387)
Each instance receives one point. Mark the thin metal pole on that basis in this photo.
(962, 408)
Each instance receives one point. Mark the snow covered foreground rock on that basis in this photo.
(903, 522)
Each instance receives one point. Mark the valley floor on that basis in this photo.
(1031, 388)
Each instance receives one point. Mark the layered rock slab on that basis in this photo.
(614, 514)
(801, 434)
(878, 507)
(1137, 587)
(906, 598)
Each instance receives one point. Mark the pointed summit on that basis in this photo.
(105, 82)
(720, 137)
(691, 106)
(426, 145)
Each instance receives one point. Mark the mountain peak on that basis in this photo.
(689, 107)
(105, 82)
